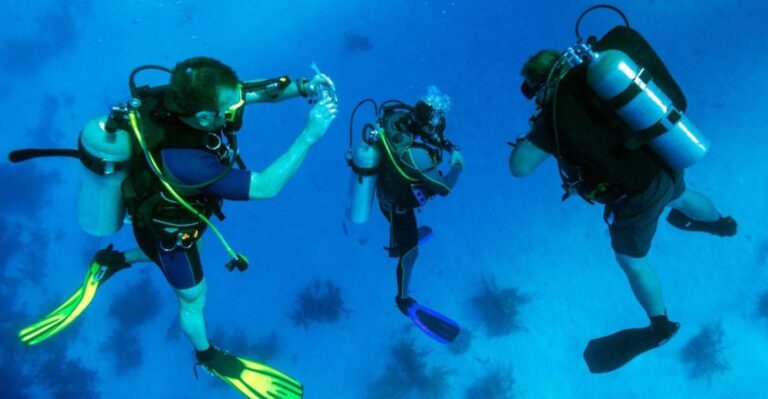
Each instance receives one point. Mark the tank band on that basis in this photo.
(646, 135)
(362, 171)
(632, 91)
(98, 165)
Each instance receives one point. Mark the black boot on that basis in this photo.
(205, 357)
(404, 304)
(663, 329)
(111, 260)
(726, 226)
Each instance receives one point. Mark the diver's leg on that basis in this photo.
(191, 317)
(696, 206)
(183, 271)
(136, 255)
(404, 271)
(632, 225)
(631, 240)
(645, 283)
(693, 211)
(406, 237)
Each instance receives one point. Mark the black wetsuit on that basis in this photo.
(408, 177)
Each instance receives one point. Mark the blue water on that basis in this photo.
(62, 63)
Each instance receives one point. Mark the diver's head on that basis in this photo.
(204, 92)
(429, 122)
(429, 116)
(536, 70)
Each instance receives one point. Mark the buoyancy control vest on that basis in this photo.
(151, 207)
(400, 182)
(591, 139)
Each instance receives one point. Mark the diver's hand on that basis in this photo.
(320, 117)
(318, 80)
(321, 87)
(457, 159)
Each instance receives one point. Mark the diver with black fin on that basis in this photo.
(614, 119)
(398, 159)
(168, 158)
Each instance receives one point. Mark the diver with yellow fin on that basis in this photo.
(167, 157)
(398, 160)
(614, 119)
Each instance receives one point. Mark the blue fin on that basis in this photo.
(441, 328)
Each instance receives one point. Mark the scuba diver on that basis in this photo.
(613, 117)
(168, 157)
(399, 159)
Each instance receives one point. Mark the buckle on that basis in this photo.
(186, 239)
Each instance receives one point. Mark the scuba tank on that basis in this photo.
(629, 89)
(364, 160)
(646, 109)
(104, 153)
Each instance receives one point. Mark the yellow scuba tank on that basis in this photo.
(364, 160)
(105, 157)
(646, 109)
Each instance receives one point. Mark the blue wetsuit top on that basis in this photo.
(191, 166)
(182, 267)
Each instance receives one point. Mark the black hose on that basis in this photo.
(31, 153)
(398, 105)
(352, 117)
(378, 109)
(590, 9)
(132, 83)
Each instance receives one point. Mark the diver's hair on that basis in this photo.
(194, 84)
(538, 66)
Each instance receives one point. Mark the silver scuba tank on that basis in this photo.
(645, 108)
(364, 159)
(105, 157)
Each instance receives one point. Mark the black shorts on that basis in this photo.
(632, 221)
(403, 230)
(181, 267)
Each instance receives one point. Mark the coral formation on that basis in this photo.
(137, 304)
(319, 302)
(703, 353)
(499, 308)
(497, 383)
(408, 376)
(125, 349)
(55, 34)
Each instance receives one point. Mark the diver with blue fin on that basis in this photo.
(398, 159)
(168, 158)
(614, 119)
